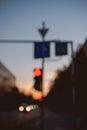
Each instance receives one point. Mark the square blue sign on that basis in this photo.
(41, 49)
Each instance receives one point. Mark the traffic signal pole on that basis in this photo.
(43, 32)
(73, 87)
(42, 106)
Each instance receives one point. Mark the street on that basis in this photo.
(32, 120)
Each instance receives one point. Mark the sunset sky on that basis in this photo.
(20, 20)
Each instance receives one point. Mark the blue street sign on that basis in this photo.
(41, 49)
(60, 48)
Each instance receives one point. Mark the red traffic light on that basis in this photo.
(38, 72)
(40, 99)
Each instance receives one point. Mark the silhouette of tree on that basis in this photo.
(81, 79)
(12, 99)
(60, 97)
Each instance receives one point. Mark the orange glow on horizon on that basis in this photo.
(36, 94)
(28, 89)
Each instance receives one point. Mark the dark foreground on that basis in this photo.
(14, 120)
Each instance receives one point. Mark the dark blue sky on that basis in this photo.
(20, 19)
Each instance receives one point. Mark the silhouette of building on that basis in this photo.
(7, 79)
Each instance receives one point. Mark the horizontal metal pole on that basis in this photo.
(17, 41)
(29, 41)
(50, 60)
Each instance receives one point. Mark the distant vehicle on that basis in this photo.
(24, 107)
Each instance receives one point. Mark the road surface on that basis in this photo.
(16, 120)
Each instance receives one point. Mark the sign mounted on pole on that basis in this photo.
(43, 30)
(41, 49)
(60, 48)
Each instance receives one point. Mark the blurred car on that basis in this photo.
(24, 107)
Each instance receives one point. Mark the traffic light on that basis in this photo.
(40, 99)
(38, 78)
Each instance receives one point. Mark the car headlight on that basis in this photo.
(28, 108)
(21, 108)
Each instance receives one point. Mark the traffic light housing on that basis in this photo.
(38, 78)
